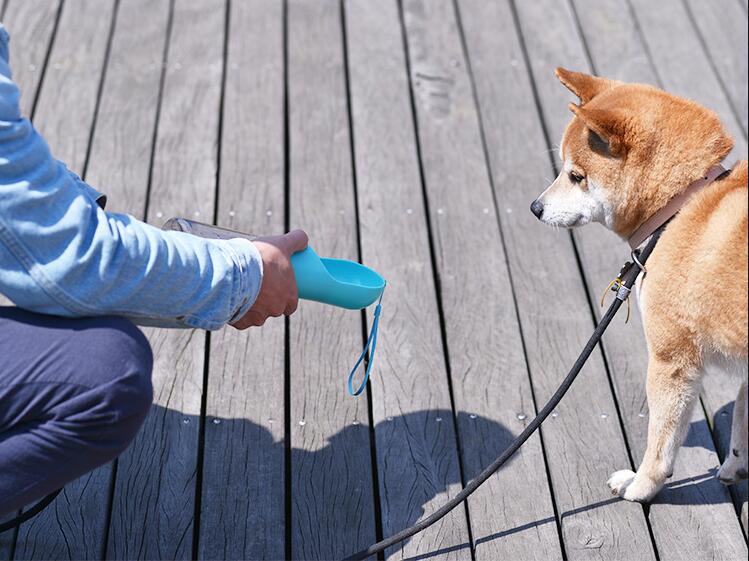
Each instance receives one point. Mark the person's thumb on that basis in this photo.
(296, 240)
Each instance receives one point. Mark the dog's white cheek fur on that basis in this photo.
(604, 211)
(568, 205)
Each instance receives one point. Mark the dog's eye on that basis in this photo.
(576, 177)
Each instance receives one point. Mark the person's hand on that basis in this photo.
(278, 293)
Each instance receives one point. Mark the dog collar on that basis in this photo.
(673, 206)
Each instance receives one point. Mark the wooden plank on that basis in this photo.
(7, 539)
(119, 165)
(722, 27)
(417, 457)
(31, 24)
(682, 64)
(719, 403)
(121, 148)
(618, 52)
(584, 442)
(332, 504)
(154, 497)
(73, 526)
(65, 111)
(244, 432)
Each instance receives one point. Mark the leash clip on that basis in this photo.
(622, 292)
(635, 254)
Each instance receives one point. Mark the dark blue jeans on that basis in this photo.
(73, 395)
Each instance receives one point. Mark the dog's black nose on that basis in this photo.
(537, 208)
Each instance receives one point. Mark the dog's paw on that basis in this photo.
(731, 471)
(620, 480)
(626, 484)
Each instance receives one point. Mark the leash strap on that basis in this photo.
(29, 514)
(628, 277)
(368, 352)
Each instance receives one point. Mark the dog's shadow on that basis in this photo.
(719, 439)
(245, 507)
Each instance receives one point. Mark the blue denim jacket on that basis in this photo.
(62, 254)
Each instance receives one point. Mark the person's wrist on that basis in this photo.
(278, 293)
(248, 278)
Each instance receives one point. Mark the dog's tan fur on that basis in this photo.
(627, 152)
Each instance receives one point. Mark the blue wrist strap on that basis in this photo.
(369, 351)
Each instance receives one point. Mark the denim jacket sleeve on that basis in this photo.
(62, 254)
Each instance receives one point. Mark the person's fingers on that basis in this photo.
(297, 240)
(277, 310)
(292, 306)
(253, 318)
(242, 324)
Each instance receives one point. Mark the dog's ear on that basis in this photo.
(584, 86)
(605, 124)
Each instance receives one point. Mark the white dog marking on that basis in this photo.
(568, 205)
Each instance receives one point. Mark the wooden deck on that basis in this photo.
(411, 135)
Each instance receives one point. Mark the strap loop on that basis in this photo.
(368, 353)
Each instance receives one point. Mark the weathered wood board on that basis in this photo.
(243, 493)
(722, 27)
(31, 25)
(120, 161)
(548, 287)
(331, 487)
(66, 110)
(155, 488)
(7, 539)
(389, 187)
(683, 66)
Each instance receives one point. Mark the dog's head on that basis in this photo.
(626, 152)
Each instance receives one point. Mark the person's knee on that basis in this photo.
(127, 391)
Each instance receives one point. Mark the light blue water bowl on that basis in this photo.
(339, 282)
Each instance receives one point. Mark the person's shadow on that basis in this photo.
(317, 498)
(335, 488)
(332, 505)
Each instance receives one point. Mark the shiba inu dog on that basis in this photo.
(632, 152)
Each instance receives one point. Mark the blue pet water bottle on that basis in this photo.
(338, 282)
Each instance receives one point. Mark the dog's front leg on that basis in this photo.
(672, 391)
(734, 468)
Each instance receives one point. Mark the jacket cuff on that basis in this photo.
(248, 278)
